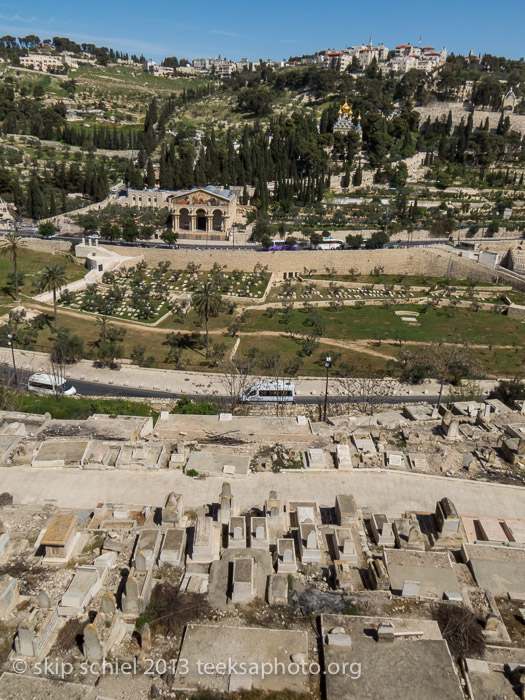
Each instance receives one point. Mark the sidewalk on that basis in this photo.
(193, 383)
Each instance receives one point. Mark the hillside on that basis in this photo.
(69, 138)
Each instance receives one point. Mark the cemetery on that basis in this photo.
(476, 440)
(240, 564)
(143, 294)
(257, 565)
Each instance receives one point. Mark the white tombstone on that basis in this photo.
(311, 540)
(411, 589)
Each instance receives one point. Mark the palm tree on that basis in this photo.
(207, 302)
(11, 246)
(53, 278)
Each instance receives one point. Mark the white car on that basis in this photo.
(50, 385)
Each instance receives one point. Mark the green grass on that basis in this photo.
(500, 362)
(86, 328)
(30, 264)
(193, 322)
(52, 84)
(516, 297)
(313, 365)
(78, 408)
(128, 77)
(481, 327)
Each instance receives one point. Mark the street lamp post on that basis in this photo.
(10, 343)
(327, 364)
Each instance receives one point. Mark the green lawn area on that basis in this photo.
(496, 363)
(52, 84)
(30, 264)
(516, 297)
(501, 362)
(192, 322)
(313, 365)
(135, 336)
(78, 408)
(477, 327)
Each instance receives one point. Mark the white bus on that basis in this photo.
(50, 384)
(330, 244)
(277, 391)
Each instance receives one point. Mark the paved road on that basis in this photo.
(239, 244)
(135, 382)
(383, 491)
(96, 389)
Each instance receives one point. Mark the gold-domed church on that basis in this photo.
(345, 121)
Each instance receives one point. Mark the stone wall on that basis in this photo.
(52, 246)
(516, 311)
(425, 261)
(364, 261)
(420, 261)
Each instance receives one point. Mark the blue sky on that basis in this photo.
(270, 28)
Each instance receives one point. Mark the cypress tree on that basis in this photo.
(150, 176)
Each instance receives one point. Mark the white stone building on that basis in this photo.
(42, 62)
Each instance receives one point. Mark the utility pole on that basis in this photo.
(11, 338)
(327, 364)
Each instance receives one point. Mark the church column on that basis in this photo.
(176, 222)
(209, 222)
(193, 222)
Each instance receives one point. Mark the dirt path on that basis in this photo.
(358, 344)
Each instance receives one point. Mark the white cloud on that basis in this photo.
(223, 33)
(28, 20)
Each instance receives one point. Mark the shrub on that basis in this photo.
(460, 628)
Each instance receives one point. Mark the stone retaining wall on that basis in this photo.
(419, 261)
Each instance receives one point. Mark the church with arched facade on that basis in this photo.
(202, 213)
